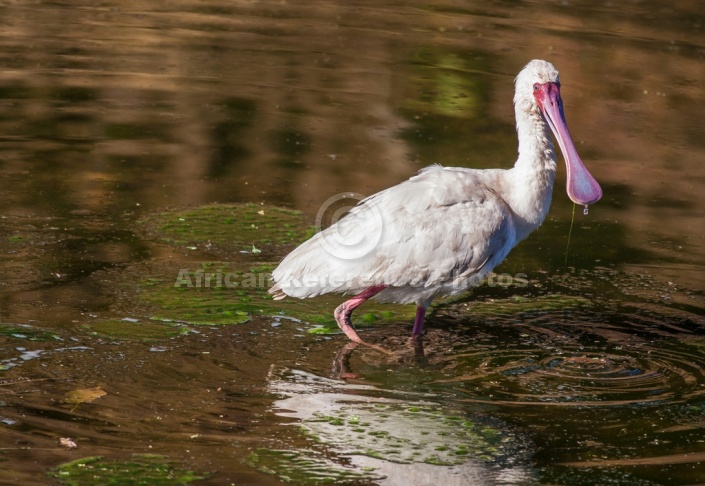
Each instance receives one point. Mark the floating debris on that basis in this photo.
(67, 442)
(84, 395)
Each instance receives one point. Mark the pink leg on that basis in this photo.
(343, 311)
(418, 322)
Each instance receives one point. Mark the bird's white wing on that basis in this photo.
(440, 226)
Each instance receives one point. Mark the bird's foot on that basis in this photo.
(342, 318)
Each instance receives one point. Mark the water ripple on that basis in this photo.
(597, 358)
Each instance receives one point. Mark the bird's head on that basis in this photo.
(537, 72)
(538, 90)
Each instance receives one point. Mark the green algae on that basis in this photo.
(217, 293)
(228, 227)
(200, 306)
(443, 83)
(306, 467)
(134, 329)
(140, 469)
(25, 331)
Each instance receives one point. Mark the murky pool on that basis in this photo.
(157, 161)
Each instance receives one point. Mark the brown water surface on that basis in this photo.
(590, 369)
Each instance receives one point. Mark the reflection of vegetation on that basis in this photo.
(228, 135)
(74, 93)
(46, 250)
(290, 145)
(444, 83)
(140, 470)
(306, 467)
(545, 249)
(448, 103)
(16, 91)
(291, 142)
(125, 131)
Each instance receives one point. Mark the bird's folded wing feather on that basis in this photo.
(440, 225)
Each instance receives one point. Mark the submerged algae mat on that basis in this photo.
(173, 297)
(197, 289)
(236, 293)
(140, 470)
(227, 227)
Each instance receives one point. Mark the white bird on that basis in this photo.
(443, 230)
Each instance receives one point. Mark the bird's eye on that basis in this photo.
(536, 87)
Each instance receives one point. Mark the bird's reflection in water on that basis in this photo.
(341, 364)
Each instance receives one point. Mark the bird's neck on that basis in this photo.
(531, 178)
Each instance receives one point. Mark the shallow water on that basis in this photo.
(580, 363)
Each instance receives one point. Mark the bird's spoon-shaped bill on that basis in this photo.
(581, 186)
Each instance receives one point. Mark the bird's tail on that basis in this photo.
(277, 292)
